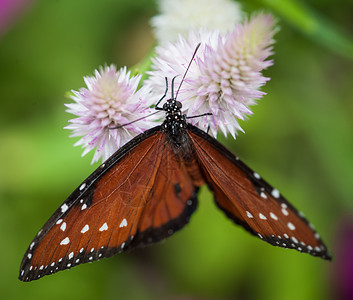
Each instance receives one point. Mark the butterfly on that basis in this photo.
(147, 190)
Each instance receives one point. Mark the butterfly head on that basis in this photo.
(175, 121)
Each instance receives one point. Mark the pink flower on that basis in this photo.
(109, 100)
(10, 11)
(341, 272)
(225, 78)
(179, 16)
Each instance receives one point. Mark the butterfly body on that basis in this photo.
(175, 124)
(147, 191)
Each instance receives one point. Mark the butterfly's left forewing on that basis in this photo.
(141, 195)
(250, 201)
(99, 217)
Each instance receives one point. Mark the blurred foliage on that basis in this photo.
(313, 24)
(299, 139)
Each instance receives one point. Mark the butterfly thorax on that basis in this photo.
(175, 125)
(175, 122)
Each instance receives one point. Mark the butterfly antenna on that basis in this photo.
(187, 69)
(139, 119)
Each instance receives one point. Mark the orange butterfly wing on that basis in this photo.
(250, 201)
(142, 194)
(173, 196)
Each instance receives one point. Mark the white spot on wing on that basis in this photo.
(71, 255)
(291, 226)
(285, 212)
(64, 208)
(65, 241)
(273, 216)
(249, 214)
(84, 206)
(63, 226)
(262, 216)
(257, 176)
(275, 193)
(294, 240)
(85, 229)
(59, 221)
(263, 195)
(31, 247)
(29, 255)
(83, 185)
(123, 223)
(104, 227)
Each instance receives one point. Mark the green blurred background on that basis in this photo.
(299, 139)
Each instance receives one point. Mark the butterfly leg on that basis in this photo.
(198, 116)
(165, 94)
(173, 86)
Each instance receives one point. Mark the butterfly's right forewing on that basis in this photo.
(250, 201)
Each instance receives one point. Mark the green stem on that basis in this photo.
(314, 25)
